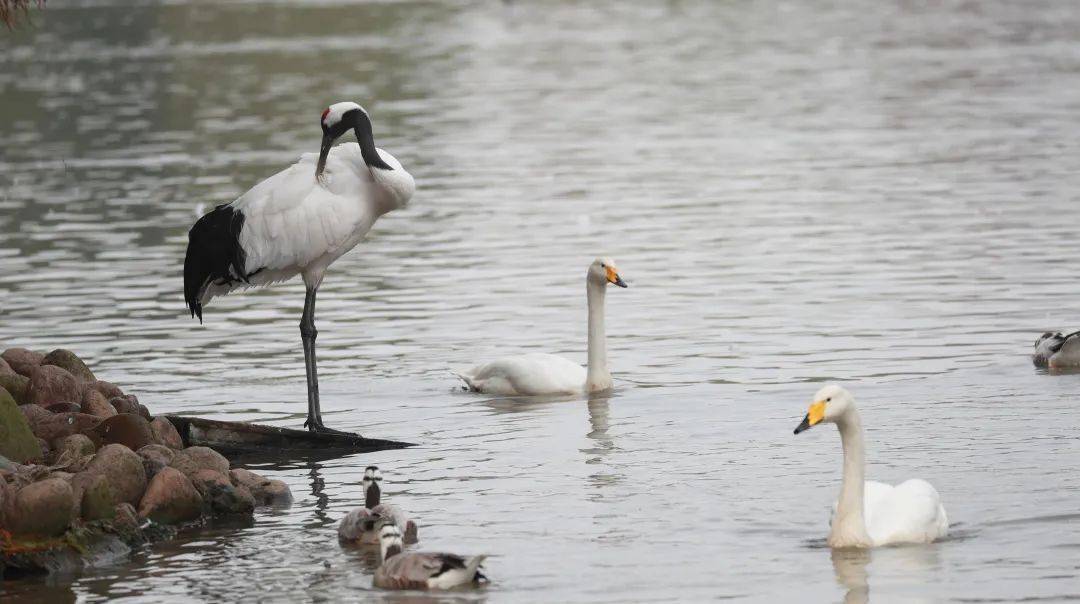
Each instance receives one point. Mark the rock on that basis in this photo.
(16, 385)
(264, 490)
(97, 499)
(124, 470)
(44, 508)
(7, 500)
(23, 361)
(221, 495)
(65, 359)
(43, 448)
(74, 450)
(64, 408)
(171, 498)
(50, 384)
(155, 457)
(125, 518)
(106, 389)
(126, 404)
(145, 412)
(57, 425)
(126, 429)
(193, 459)
(17, 440)
(94, 403)
(34, 414)
(165, 433)
(6, 369)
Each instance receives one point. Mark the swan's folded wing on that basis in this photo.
(910, 512)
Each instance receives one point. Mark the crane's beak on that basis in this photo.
(324, 152)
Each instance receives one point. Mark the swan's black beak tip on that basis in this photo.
(804, 426)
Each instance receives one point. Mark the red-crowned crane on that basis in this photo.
(298, 222)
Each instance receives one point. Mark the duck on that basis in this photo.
(548, 374)
(868, 513)
(360, 526)
(1056, 351)
(420, 570)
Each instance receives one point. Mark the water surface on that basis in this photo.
(880, 195)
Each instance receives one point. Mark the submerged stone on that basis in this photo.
(171, 498)
(264, 490)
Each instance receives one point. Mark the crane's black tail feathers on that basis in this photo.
(213, 255)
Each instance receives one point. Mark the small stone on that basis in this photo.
(73, 450)
(171, 498)
(16, 385)
(50, 384)
(6, 369)
(57, 425)
(126, 404)
(64, 408)
(106, 389)
(127, 429)
(193, 459)
(44, 508)
(23, 361)
(124, 470)
(125, 519)
(223, 497)
(165, 433)
(97, 499)
(94, 403)
(17, 441)
(67, 360)
(155, 457)
(264, 490)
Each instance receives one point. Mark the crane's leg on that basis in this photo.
(307, 336)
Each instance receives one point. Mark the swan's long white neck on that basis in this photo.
(598, 377)
(849, 525)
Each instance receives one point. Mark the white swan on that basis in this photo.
(539, 373)
(1056, 351)
(871, 514)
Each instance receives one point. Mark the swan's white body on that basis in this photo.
(868, 513)
(297, 225)
(548, 374)
(1056, 351)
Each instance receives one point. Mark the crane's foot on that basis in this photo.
(319, 428)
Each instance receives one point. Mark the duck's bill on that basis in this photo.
(805, 425)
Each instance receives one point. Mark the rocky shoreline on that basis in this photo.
(87, 473)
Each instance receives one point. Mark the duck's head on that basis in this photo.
(339, 118)
(390, 541)
(372, 492)
(603, 271)
(830, 404)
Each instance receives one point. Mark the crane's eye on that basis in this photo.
(828, 399)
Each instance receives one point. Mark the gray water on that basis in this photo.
(881, 195)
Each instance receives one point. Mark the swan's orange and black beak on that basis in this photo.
(813, 417)
(614, 278)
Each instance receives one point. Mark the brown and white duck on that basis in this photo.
(422, 570)
(361, 524)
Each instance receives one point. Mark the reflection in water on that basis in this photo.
(906, 564)
(850, 568)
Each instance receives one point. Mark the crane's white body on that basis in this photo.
(295, 224)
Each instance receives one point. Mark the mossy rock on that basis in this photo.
(17, 386)
(17, 441)
(65, 359)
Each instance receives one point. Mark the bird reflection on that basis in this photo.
(850, 568)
